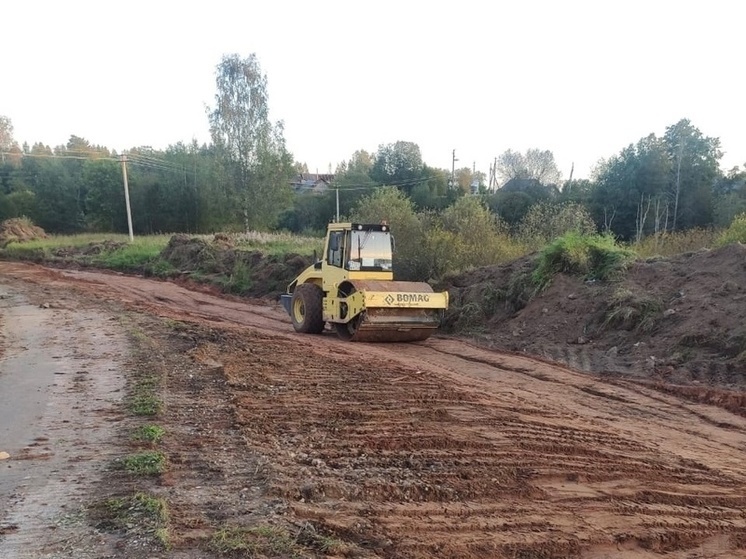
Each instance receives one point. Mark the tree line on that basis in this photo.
(242, 179)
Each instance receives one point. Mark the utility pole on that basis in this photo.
(493, 176)
(337, 190)
(123, 159)
(453, 170)
(678, 183)
(474, 186)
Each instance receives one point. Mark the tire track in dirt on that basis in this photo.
(421, 466)
(444, 449)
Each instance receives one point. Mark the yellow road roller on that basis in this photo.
(352, 287)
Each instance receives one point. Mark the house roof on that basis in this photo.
(315, 177)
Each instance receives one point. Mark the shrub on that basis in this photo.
(240, 280)
(546, 221)
(466, 235)
(669, 244)
(596, 257)
(735, 233)
(390, 205)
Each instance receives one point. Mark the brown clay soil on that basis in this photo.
(432, 449)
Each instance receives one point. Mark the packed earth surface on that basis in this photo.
(277, 444)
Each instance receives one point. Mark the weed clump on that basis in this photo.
(633, 312)
(148, 463)
(145, 403)
(255, 541)
(140, 513)
(148, 434)
(272, 541)
(144, 400)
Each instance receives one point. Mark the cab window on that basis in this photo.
(335, 253)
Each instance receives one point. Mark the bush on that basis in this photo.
(668, 244)
(390, 205)
(735, 233)
(467, 235)
(545, 222)
(596, 257)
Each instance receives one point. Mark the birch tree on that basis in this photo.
(250, 147)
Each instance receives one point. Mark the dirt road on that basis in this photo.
(434, 449)
(61, 385)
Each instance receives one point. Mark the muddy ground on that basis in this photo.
(435, 449)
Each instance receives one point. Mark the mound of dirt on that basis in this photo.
(247, 272)
(91, 249)
(679, 319)
(188, 254)
(18, 230)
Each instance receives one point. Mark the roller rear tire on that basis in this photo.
(306, 309)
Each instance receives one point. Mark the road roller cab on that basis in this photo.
(352, 287)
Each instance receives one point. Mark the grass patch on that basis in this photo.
(136, 256)
(256, 541)
(521, 289)
(145, 405)
(148, 463)
(592, 257)
(148, 434)
(278, 243)
(161, 268)
(143, 245)
(311, 538)
(110, 251)
(273, 541)
(141, 514)
(177, 325)
(240, 280)
(633, 312)
(730, 344)
(144, 400)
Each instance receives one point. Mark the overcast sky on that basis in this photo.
(582, 79)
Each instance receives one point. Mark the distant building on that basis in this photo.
(311, 182)
(474, 186)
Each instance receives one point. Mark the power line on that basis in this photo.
(408, 182)
(151, 159)
(57, 156)
(145, 162)
(180, 170)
